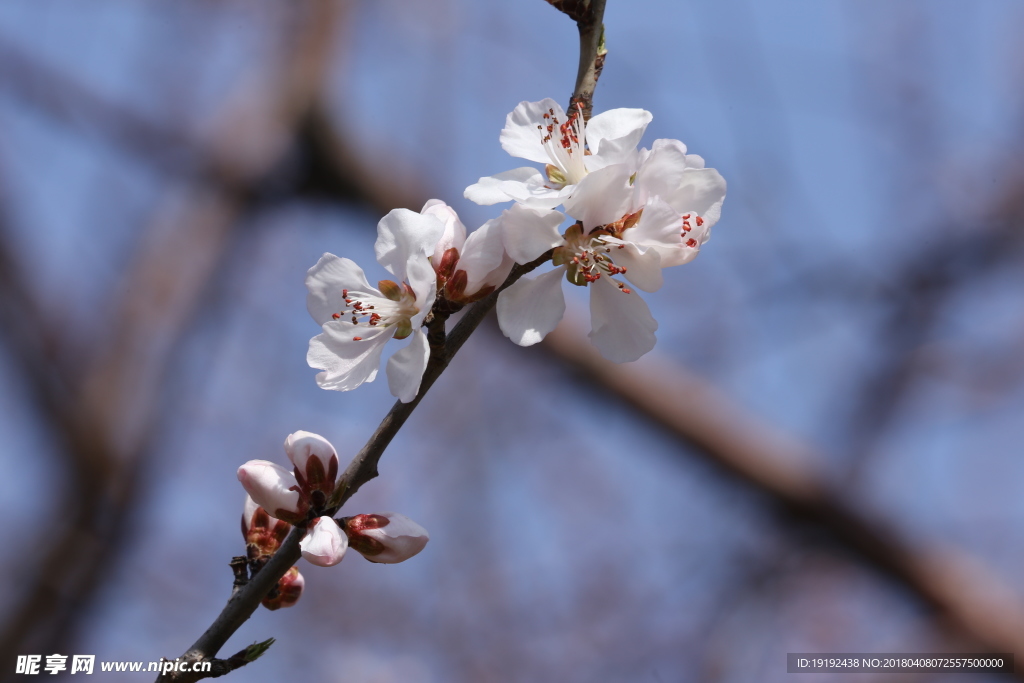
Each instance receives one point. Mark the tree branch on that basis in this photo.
(360, 470)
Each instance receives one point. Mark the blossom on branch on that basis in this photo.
(358, 319)
(324, 545)
(274, 489)
(468, 268)
(263, 534)
(287, 591)
(291, 496)
(385, 537)
(629, 225)
(543, 133)
(316, 464)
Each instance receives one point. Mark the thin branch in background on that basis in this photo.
(112, 416)
(977, 606)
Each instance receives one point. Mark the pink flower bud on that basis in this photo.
(315, 460)
(287, 591)
(263, 534)
(324, 545)
(386, 537)
(274, 489)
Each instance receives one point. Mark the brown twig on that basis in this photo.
(360, 470)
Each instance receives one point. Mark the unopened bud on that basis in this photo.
(263, 534)
(316, 462)
(287, 591)
(274, 489)
(386, 537)
(324, 545)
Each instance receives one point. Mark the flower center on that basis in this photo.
(589, 257)
(564, 142)
(393, 305)
(688, 226)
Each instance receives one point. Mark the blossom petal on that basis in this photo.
(527, 232)
(525, 184)
(659, 226)
(324, 544)
(624, 127)
(421, 277)
(622, 328)
(325, 282)
(520, 136)
(273, 488)
(347, 363)
(602, 197)
(404, 234)
(532, 307)
(454, 235)
(483, 254)
(643, 269)
(405, 368)
(615, 152)
(676, 178)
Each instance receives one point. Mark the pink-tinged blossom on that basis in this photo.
(358, 319)
(324, 544)
(274, 489)
(542, 132)
(315, 460)
(263, 534)
(385, 537)
(468, 268)
(287, 591)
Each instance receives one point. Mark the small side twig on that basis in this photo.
(589, 18)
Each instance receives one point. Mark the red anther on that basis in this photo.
(700, 221)
(357, 339)
(686, 216)
(627, 291)
(622, 270)
(344, 293)
(691, 242)
(374, 318)
(336, 316)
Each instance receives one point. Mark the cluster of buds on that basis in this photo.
(279, 499)
(263, 536)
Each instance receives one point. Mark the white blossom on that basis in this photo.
(358, 319)
(570, 149)
(468, 267)
(630, 225)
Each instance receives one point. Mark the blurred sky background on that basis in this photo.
(861, 293)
